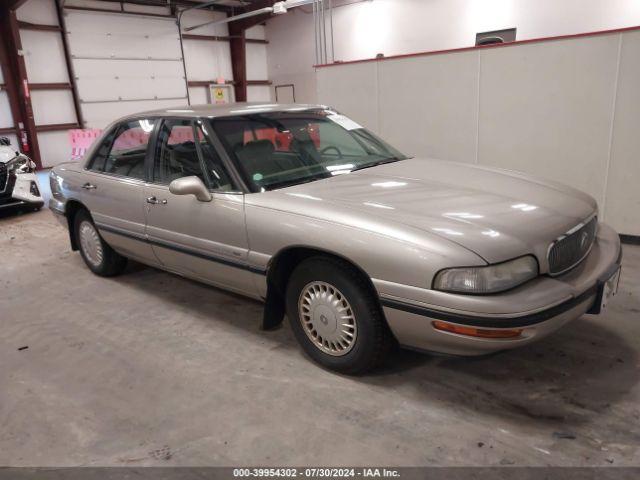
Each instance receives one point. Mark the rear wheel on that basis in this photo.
(98, 256)
(336, 317)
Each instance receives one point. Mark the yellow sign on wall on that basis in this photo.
(220, 93)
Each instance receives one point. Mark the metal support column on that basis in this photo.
(238, 48)
(27, 135)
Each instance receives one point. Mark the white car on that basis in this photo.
(18, 182)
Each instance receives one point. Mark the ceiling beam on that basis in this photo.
(121, 12)
(246, 23)
(174, 3)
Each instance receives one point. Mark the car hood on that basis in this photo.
(497, 214)
(6, 154)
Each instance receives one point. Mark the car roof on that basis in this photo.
(225, 110)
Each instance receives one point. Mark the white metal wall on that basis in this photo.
(362, 29)
(6, 119)
(257, 66)
(45, 62)
(563, 109)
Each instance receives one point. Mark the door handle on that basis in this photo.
(89, 186)
(155, 201)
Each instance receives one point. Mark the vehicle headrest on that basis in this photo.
(257, 148)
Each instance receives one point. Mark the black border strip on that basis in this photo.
(187, 251)
(494, 322)
(630, 239)
(510, 321)
(287, 472)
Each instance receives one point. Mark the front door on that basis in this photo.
(114, 189)
(204, 240)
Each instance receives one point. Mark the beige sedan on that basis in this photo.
(359, 245)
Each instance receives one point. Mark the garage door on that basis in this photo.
(124, 64)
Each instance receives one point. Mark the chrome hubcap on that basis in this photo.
(91, 244)
(327, 318)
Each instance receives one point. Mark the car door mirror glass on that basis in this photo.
(190, 186)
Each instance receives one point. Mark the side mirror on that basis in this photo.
(190, 186)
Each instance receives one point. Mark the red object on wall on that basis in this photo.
(24, 140)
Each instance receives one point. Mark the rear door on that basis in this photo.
(113, 188)
(205, 240)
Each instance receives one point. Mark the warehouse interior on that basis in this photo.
(154, 369)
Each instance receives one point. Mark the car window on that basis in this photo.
(124, 149)
(182, 150)
(278, 149)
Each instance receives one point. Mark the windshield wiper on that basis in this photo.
(296, 181)
(379, 162)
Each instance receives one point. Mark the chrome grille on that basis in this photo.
(3, 177)
(570, 249)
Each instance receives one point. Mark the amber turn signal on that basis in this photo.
(476, 332)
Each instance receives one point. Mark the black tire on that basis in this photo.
(112, 263)
(373, 339)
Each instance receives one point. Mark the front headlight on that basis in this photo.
(55, 182)
(20, 164)
(489, 279)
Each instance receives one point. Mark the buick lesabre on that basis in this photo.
(360, 246)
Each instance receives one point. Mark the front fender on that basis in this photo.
(381, 249)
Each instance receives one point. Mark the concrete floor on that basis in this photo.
(152, 369)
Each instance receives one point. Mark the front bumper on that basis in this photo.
(20, 190)
(539, 307)
(58, 210)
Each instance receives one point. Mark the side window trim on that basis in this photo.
(153, 150)
(150, 158)
(227, 161)
(235, 185)
(203, 167)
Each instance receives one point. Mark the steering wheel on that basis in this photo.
(332, 147)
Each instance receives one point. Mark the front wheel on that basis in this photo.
(336, 317)
(99, 257)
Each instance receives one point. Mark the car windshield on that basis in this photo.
(279, 149)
